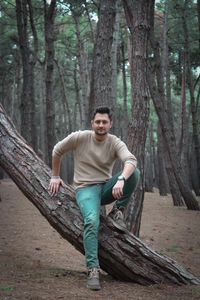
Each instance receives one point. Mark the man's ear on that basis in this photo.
(111, 124)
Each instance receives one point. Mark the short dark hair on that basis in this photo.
(102, 110)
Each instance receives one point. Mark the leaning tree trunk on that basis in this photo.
(122, 255)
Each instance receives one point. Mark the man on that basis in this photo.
(95, 153)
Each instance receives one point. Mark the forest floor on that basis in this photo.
(36, 263)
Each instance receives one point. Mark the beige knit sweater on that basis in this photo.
(93, 160)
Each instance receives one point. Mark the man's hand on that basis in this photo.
(54, 185)
(117, 190)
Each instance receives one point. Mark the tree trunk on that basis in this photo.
(122, 255)
(157, 95)
(174, 189)
(162, 176)
(27, 105)
(82, 56)
(78, 98)
(114, 68)
(169, 140)
(194, 111)
(64, 99)
(42, 98)
(125, 119)
(150, 168)
(137, 16)
(101, 79)
(183, 142)
(49, 14)
(198, 12)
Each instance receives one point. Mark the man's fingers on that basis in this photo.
(54, 186)
(117, 193)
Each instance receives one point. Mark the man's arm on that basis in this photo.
(128, 170)
(67, 144)
(55, 179)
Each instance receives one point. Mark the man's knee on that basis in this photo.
(92, 220)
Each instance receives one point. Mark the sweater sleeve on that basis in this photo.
(124, 154)
(67, 144)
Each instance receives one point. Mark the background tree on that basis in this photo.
(101, 73)
(137, 15)
(168, 136)
(49, 17)
(27, 103)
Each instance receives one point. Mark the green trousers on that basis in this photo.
(90, 199)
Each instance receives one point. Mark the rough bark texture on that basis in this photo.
(122, 255)
(101, 81)
(137, 17)
(49, 16)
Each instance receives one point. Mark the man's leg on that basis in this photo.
(130, 185)
(88, 200)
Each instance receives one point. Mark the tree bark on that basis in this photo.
(82, 56)
(157, 94)
(125, 119)
(198, 12)
(169, 140)
(64, 99)
(78, 98)
(122, 255)
(42, 98)
(137, 17)
(162, 176)
(49, 15)
(114, 68)
(174, 189)
(149, 168)
(194, 111)
(27, 105)
(101, 79)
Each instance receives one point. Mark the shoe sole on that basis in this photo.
(94, 288)
(123, 229)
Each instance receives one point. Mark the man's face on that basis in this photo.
(101, 124)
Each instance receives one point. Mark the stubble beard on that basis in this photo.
(101, 134)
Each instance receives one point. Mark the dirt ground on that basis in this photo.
(36, 263)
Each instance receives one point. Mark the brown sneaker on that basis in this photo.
(116, 217)
(93, 279)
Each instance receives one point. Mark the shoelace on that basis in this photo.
(93, 272)
(118, 215)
